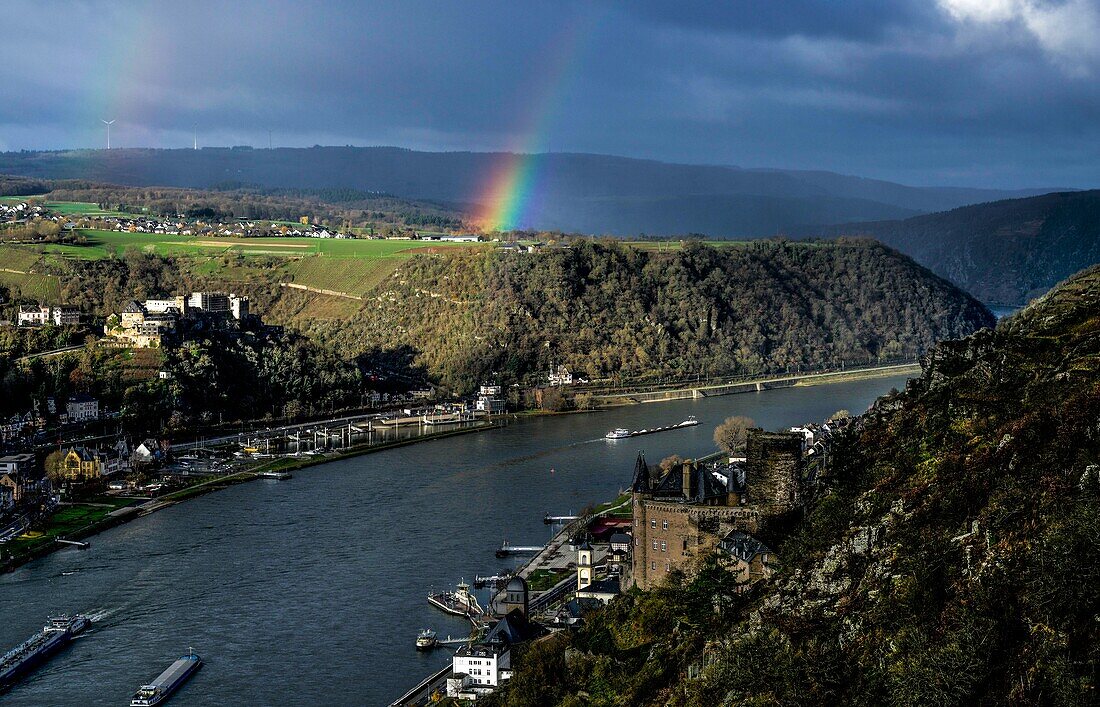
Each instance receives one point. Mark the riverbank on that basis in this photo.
(76, 521)
(752, 385)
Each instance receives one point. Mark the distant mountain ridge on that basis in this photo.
(586, 193)
(1003, 252)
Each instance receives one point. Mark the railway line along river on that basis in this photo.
(311, 591)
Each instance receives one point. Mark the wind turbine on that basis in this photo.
(108, 123)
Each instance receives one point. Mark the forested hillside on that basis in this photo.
(950, 557)
(1004, 252)
(606, 309)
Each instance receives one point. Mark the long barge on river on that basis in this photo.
(620, 433)
(55, 635)
(167, 682)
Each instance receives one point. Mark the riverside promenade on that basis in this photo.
(751, 386)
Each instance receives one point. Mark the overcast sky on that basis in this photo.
(970, 92)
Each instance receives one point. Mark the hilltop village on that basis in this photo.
(673, 520)
(28, 221)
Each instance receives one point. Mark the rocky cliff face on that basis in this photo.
(951, 557)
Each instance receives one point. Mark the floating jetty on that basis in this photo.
(458, 603)
(553, 520)
(621, 433)
(506, 549)
(480, 581)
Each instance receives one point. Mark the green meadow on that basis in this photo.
(353, 267)
(102, 244)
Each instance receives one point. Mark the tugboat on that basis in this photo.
(56, 634)
(426, 640)
(167, 682)
(459, 602)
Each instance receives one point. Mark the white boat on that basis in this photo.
(618, 433)
(426, 640)
(279, 475)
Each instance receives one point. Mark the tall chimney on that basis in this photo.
(687, 479)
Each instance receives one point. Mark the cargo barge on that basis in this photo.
(167, 682)
(620, 433)
(55, 635)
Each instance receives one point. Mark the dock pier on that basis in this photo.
(553, 520)
(480, 581)
(506, 549)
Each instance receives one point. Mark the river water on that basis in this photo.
(311, 591)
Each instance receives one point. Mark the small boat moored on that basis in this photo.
(426, 640)
(167, 682)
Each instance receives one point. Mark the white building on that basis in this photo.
(82, 408)
(560, 375)
(490, 400)
(479, 669)
(238, 307)
(160, 306)
(33, 315)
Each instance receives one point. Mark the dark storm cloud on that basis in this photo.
(998, 92)
(858, 19)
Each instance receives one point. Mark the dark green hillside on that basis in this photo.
(1003, 252)
(951, 558)
(605, 309)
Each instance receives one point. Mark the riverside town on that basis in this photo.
(550, 354)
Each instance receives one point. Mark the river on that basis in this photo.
(311, 591)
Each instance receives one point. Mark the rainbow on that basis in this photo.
(510, 193)
(125, 79)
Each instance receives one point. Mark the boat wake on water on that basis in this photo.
(96, 615)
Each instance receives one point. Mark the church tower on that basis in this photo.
(584, 565)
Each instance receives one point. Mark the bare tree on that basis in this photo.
(730, 435)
